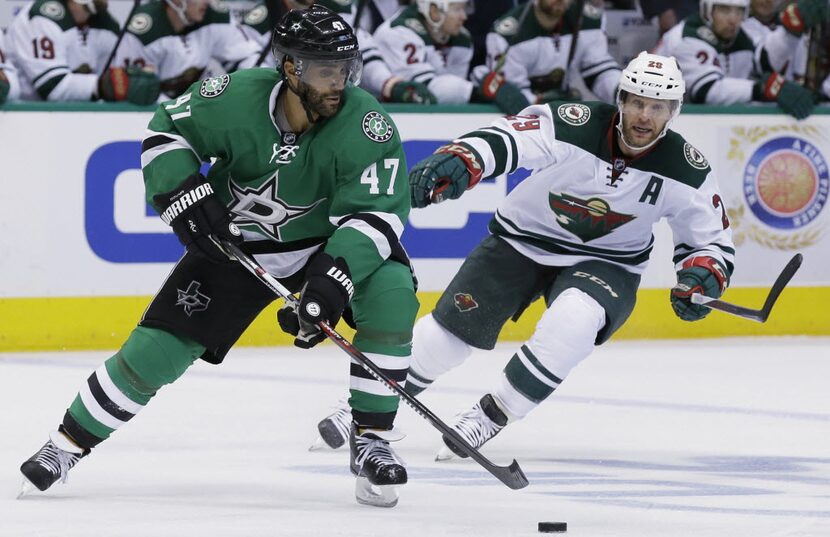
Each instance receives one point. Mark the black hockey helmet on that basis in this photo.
(316, 33)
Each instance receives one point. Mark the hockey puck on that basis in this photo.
(553, 527)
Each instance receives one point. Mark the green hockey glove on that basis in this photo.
(132, 84)
(407, 91)
(800, 16)
(703, 275)
(445, 174)
(508, 97)
(791, 98)
(4, 87)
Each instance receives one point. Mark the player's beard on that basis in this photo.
(322, 104)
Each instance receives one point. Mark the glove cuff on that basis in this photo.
(712, 265)
(792, 20)
(386, 89)
(472, 164)
(191, 193)
(114, 84)
(491, 85)
(771, 87)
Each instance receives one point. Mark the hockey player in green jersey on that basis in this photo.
(577, 232)
(308, 177)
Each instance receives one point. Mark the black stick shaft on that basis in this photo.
(136, 3)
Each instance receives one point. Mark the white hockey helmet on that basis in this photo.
(442, 5)
(706, 7)
(655, 77)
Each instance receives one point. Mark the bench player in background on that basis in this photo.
(60, 48)
(313, 173)
(377, 79)
(177, 39)
(426, 42)
(577, 232)
(722, 64)
(9, 85)
(542, 48)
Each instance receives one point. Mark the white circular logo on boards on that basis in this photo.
(574, 113)
(694, 157)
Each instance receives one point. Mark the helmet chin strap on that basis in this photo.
(619, 127)
(309, 114)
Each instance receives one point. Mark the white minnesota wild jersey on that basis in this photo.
(714, 73)
(9, 71)
(581, 203)
(782, 51)
(411, 53)
(180, 59)
(59, 61)
(536, 59)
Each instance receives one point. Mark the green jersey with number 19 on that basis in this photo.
(341, 183)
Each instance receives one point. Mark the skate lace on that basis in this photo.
(476, 427)
(342, 418)
(56, 460)
(376, 451)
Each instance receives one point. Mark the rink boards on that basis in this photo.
(83, 254)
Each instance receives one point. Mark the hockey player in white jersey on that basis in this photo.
(60, 48)
(9, 85)
(722, 65)
(543, 46)
(427, 42)
(377, 79)
(790, 45)
(577, 232)
(178, 38)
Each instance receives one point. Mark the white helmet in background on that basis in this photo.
(655, 77)
(706, 7)
(442, 5)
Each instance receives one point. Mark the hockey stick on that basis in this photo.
(762, 314)
(512, 475)
(136, 3)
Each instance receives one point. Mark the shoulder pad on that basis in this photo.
(53, 10)
(705, 33)
(415, 25)
(256, 16)
(591, 11)
(507, 26)
(140, 24)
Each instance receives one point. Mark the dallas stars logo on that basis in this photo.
(262, 208)
(191, 299)
(587, 219)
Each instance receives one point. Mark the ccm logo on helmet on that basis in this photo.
(345, 47)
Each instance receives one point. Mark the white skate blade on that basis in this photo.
(319, 444)
(26, 488)
(377, 496)
(444, 454)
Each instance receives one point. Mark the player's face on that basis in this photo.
(553, 8)
(454, 18)
(726, 21)
(643, 119)
(325, 82)
(196, 10)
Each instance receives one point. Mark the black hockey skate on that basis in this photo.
(478, 425)
(334, 428)
(378, 470)
(51, 463)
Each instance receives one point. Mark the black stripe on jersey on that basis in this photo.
(497, 146)
(560, 247)
(701, 88)
(398, 252)
(267, 246)
(398, 375)
(688, 249)
(590, 79)
(46, 88)
(371, 59)
(538, 365)
(729, 253)
(424, 76)
(106, 403)
(600, 66)
(514, 153)
(154, 141)
(37, 80)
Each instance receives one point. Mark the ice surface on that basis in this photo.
(721, 438)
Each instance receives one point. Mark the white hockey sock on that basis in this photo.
(434, 352)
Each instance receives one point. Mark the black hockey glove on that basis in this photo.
(195, 213)
(327, 291)
(702, 275)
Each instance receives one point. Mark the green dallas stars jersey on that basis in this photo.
(581, 204)
(342, 182)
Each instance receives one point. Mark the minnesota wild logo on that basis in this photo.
(376, 128)
(262, 208)
(587, 219)
(464, 302)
